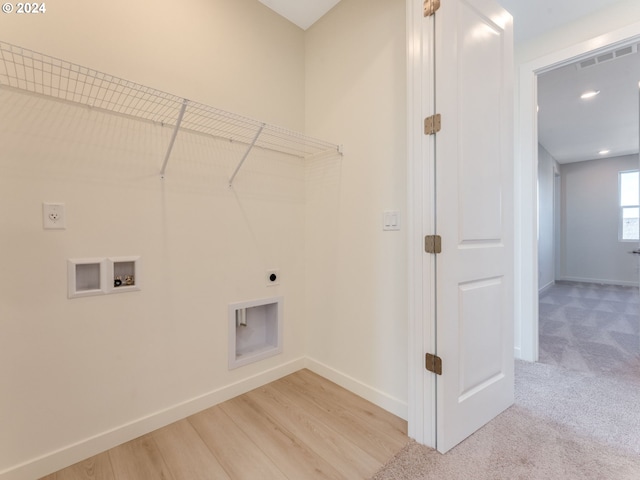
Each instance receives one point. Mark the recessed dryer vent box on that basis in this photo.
(255, 331)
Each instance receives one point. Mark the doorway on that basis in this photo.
(588, 138)
(527, 328)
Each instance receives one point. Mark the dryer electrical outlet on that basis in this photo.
(272, 277)
(53, 216)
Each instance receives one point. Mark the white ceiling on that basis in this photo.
(532, 18)
(570, 129)
(303, 13)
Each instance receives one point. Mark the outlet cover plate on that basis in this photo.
(53, 216)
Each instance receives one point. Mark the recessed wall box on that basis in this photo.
(124, 274)
(86, 277)
(255, 331)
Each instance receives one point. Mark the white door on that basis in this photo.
(474, 216)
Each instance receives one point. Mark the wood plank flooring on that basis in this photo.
(301, 427)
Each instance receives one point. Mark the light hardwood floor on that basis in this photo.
(299, 427)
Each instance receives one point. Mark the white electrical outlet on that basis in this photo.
(53, 216)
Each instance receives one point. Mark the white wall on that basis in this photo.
(591, 250)
(81, 375)
(356, 273)
(237, 55)
(546, 231)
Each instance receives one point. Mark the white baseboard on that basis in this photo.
(86, 448)
(381, 399)
(71, 454)
(546, 287)
(624, 283)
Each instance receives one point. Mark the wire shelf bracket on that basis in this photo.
(246, 154)
(173, 138)
(38, 73)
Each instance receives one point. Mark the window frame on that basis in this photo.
(621, 207)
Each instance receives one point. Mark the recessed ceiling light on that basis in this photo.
(589, 94)
(604, 152)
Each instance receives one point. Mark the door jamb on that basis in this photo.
(421, 272)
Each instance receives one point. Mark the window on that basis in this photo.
(629, 210)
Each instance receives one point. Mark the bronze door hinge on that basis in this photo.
(433, 363)
(432, 124)
(433, 244)
(431, 7)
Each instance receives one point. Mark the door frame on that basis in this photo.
(526, 177)
(421, 411)
(421, 404)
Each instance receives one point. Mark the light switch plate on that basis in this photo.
(391, 220)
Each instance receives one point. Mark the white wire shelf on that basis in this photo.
(35, 72)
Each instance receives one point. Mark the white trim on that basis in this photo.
(375, 396)
(271, 320)
(421, 403)
(86, 448)
(526, 166)
(72, 277)
(111, 274)
(621, 208)
(546, 287)
(600, 281)
(51, 462)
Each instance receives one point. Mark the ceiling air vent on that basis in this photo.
(605, 57)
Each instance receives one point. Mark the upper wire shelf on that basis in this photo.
(35, 72)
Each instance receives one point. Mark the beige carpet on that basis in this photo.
(564, 425)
